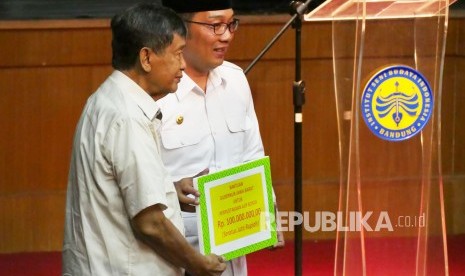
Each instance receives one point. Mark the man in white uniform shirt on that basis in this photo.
(122, 210)
(210, 122)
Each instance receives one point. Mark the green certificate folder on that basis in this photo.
(236, 214)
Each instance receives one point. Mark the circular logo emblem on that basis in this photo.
(397, 103)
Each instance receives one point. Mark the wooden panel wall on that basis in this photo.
(49, 68)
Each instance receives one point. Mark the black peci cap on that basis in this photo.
(186, 6)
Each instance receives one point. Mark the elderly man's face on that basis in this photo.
(166, 68)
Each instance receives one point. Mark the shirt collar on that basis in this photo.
(145, 102)
(187, 85)
(215, 79)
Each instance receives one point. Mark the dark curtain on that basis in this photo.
(62, 9)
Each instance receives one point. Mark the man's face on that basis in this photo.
(166, 68)
(206, 50)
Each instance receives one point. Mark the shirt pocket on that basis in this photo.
(173, 139)
(238, 123)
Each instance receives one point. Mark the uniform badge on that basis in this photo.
(179, 120)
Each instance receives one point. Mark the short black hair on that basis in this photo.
(143, 25)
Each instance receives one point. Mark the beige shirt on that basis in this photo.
(116, 172)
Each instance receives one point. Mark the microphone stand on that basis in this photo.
(298, 9)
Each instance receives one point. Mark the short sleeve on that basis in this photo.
(132, 150)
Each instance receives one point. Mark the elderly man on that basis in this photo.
(122, 211)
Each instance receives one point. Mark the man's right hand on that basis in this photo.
(213, 265)
(184, 188)
(152, 228)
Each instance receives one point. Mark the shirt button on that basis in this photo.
(179, 120)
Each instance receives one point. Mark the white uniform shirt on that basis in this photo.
(215, 130)
(116, 172)
(219, 128)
